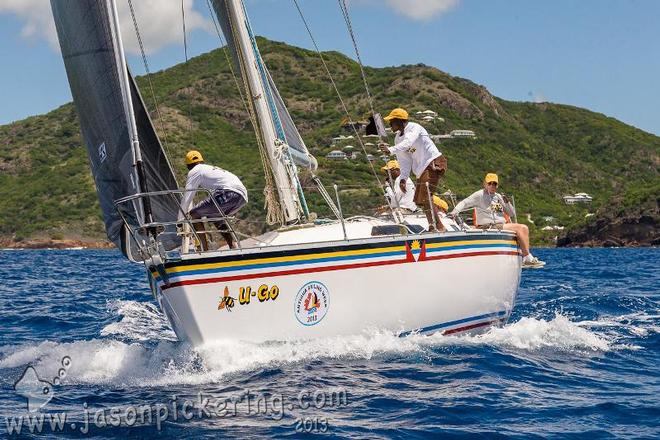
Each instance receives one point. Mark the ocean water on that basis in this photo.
(82, 339)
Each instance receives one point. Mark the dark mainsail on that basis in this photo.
(86, 39)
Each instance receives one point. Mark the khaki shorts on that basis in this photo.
(498, 226)
(432, 174)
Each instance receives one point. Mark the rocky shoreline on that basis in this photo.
(42, 243)
(634, 224)
(624, 232)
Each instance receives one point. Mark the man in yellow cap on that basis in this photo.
(492, 209)
(226, 188)
(416, 153)
(395, 196)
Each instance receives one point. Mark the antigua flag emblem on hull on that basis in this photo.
(416, 250)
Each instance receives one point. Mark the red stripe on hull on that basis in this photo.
(326, 269)
(470, 327)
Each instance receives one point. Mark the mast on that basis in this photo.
(124, 82)
(257, 81)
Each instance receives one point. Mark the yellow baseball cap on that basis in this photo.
(491, 177)
(193, 156)
(437, 201)
(397, 113)
(393, 164)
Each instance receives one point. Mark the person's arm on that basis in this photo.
(405, 164)
(192, 183)
(467, 203)
(391, 199)
(508, 207)
(406, 141)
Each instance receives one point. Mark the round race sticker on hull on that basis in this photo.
(311, 303)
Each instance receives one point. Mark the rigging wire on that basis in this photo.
(185, 54)
(271, 203)
(151, 85)
(347, 18)
(183, 22)
(341, 100)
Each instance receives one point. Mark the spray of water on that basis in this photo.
(140, 349)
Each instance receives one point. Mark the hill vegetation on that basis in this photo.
(541, 151)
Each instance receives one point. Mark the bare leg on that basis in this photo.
(229, 239)
(437, 226)
(199, 228)
(522, 234)
(226, 233)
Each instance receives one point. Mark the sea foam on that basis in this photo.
(139, 349)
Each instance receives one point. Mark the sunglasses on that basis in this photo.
(492, 183)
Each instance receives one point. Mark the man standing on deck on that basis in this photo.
(226, 189)
(491, 207)
(416, 152)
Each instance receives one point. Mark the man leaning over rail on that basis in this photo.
(492, 209)
(226, 189)
(416, 152)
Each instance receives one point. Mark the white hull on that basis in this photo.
(432, 282)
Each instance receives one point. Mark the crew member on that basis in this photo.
(395, 196)
(226, 189)
(491, 207)
(416, 152)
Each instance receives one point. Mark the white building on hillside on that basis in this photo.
(426, 113)
(578, 198)
(336, 154)
(552, 228)
(439, 137)
(462, 133)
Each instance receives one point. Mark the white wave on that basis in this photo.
(560, 333)
(112, 362)
(638, 324)
(140, 321)
(98, 361)
(135, 360)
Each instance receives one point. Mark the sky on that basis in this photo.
(603, 55)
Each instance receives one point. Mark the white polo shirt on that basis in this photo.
(400, 199)
(490, 207)
(212, 178)
(414, 150)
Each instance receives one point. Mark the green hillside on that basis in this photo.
(541, 151)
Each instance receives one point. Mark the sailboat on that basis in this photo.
(303, 280)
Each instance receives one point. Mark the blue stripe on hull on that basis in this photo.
(444, 325)
(331, 259)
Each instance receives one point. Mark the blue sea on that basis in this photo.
(84, 350)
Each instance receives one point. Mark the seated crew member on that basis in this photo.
(416, 152)
(395, 196)
(490, 208)
(226, 188)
